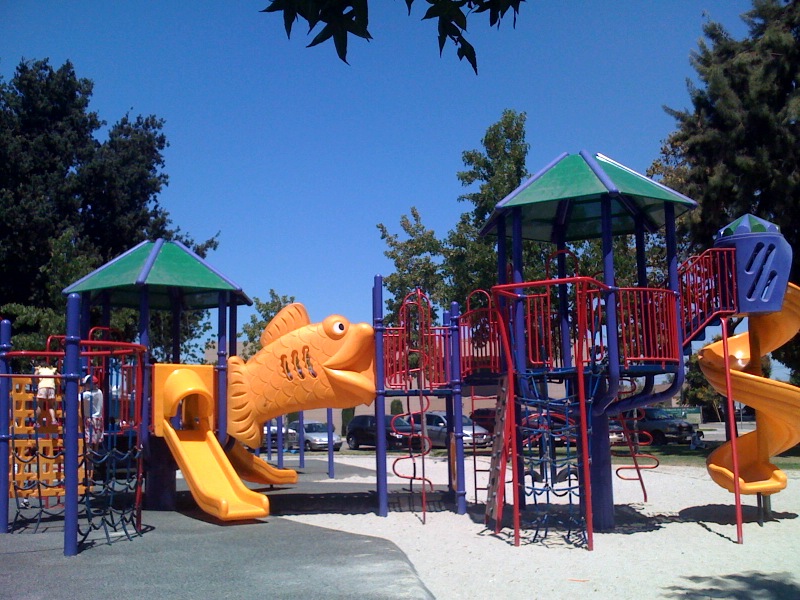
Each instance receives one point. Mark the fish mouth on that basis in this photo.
(351, 370)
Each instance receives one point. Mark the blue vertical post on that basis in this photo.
(520, 354)
(563, 302)
(502, 251)
(380, 399)
(502, 276)
(329, 415)
(301, 439)
(160, 467)
(280, 441)
(144, 340)
(601, 472)
(5, 423)
(455, 382)
(71, 376)
(233, 349)
(222, 369)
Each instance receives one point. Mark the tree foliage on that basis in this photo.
(339, 19)
(737, 149)
(464, 261)
(418, 264)
(70, 202)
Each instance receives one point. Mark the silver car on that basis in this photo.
(315, 435)
(271, 434)
(436, 430)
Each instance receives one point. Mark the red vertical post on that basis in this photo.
(730, 414)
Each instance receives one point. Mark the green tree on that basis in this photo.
(265, 312)
(737, 149)
(492, 173)
(418, 264)
(70, 202)
(339, 19)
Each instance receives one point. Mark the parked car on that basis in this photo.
(660, 424)
(314, 435)
(362, 431)
(436, 430)
(556, 421)
(616, 435)
(271, 434)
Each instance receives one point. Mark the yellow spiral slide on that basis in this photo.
(777, 404)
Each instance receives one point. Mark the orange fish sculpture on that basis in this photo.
(300, 366)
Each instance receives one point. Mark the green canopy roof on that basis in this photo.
(172, 273)
(567, 193)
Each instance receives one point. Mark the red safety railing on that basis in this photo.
(707, 289)
(648, 327)
(479, 335)
(416, 352)
(546, 330)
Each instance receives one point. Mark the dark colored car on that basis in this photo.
(362, 431)
(660, 425)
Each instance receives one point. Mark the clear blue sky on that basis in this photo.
(295, 156)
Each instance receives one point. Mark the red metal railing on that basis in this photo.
(415, 352)
(479, 335)
(707, 289)
(648, 326)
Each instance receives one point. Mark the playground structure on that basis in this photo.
(558, 350)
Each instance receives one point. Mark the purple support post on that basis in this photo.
(563, 299)
(71, 375)
(329, 415)
(160, 467)
(520, 354)
(233, 350)
(144, 340)
(301, 440)
(380, 400)
(5, 423)
(502, 251)
(222, 370)
(455, 383)
(279, 449)
(601, 472)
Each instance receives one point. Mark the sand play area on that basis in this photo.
(681, 543)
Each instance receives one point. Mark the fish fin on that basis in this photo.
(241, 414)
(289, 318)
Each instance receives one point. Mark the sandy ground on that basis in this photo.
(681, 543)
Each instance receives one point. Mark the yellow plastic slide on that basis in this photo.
(253, 468)
(213, 481)
(777, 404)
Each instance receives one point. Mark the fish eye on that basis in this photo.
(335, 326)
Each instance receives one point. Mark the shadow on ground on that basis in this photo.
(743, 586)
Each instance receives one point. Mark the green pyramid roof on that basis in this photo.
(171, 272)
(569, 190)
